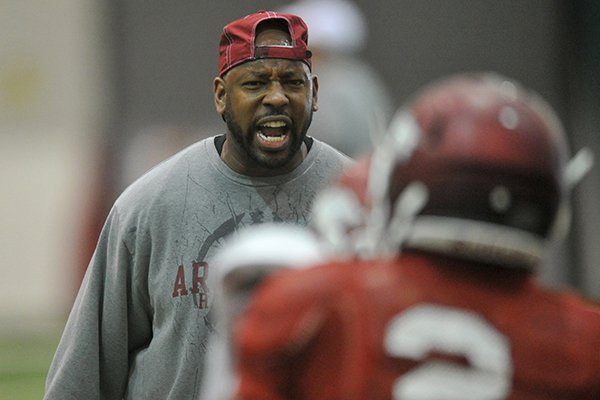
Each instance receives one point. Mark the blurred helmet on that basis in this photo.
(250, 255)
(339, 211)
(491, 156)
(489, 151)
(472, 167)
(258, 250)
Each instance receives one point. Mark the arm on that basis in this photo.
(92, 359)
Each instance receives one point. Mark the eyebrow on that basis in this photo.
(263, 71)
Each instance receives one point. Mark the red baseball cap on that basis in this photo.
(237, 41)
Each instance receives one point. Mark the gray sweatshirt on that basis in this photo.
(140, 322)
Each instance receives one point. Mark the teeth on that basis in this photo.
(270, 139)
(274, 124)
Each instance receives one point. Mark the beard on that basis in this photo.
(244, 140)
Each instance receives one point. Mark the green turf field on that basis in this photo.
(24, 361)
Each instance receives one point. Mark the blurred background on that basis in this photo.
(95, 92)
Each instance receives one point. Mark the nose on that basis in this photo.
(275, 96)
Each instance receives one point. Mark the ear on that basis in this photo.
(219, 94)
(315, 93)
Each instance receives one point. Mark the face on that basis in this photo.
(267, 105)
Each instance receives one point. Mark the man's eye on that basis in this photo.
(295, 82)
(253, 84)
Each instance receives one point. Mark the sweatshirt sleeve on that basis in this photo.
(107, 322)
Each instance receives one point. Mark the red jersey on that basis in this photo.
(416, 328)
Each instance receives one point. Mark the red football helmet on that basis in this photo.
(473, 167)
(339, 212)
(491, 157)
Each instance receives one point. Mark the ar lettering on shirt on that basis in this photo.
(198, 289)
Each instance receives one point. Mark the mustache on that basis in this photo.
(274, 113)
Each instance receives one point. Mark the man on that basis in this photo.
(139, 326)
(475, 180)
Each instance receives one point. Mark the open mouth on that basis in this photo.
(273, 133)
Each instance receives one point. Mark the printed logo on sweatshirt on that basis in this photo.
(199, 271)
(198, 289)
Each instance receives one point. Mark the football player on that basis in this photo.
(439, 300)
(245, 260)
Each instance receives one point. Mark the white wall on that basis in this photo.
(52, 108)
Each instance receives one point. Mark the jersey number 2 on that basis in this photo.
(424, 329)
